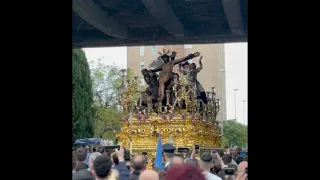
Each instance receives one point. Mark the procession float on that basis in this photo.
(174, 105)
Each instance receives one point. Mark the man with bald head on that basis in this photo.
(139, 165)
(176, 160)
(242, 166)
(149, 175)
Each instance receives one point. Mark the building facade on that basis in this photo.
(212, 74)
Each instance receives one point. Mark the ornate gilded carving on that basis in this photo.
(185, 118)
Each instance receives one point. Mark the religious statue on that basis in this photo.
(166, 71)
(151, 79)
(192, 71)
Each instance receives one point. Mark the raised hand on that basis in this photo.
(120, 153)
(242, 176)
(196, 54)
(200, 58)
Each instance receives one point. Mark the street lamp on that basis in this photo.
(222, 99)
(235, 103)
(244, 114)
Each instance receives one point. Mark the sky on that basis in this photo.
(236, 66)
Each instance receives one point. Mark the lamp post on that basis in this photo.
(235, 103)
(222, 98)
(244, 114)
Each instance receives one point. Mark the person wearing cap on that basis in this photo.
(168, 154)
(205, 165)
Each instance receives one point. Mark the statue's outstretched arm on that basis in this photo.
(190, 56)
(200, 63)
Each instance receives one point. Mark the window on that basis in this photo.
(141, 50)
(141, 65)
(142, 81)
(187, 46)
(153, 50)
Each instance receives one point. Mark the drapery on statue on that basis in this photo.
(166, 71)
(151, 78)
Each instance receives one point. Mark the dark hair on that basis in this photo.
(115, 159)
(206, 157)
(74, 160)
(221, 153)
(238, 159)
(226, 159)
(102, 166)
(81, 154)
(165, 56)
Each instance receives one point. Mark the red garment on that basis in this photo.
(184, 172)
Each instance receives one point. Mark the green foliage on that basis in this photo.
(106, 122)
(81, 97)
(106, 80)
(234, 133)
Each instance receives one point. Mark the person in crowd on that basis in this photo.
(87, 148)
(122, 168)
(192, 162)
(94, 149)
(102, 167)
(184, 172)
(149, 175)
(168, 154)
(87, 174)
(206, 164)
(139, 165)
(93, 156)
(245, 158)
(131, 165)
(242, 166)
(242, 176)
(227, 159)
(221, 154)
(74, 163)
(115, 160)
(217, 168)
(176, 160)
(104, 152)
(81, 156)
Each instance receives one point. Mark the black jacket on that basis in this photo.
(134, 175)
(82, 174)
(81, 165)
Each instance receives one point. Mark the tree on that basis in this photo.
(106, 80)
(81, 97)
(106, 121)
(234, 133)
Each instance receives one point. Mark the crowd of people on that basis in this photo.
(99, 164)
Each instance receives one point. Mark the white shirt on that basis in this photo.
(210, 176)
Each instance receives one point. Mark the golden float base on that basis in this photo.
(184, 133)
